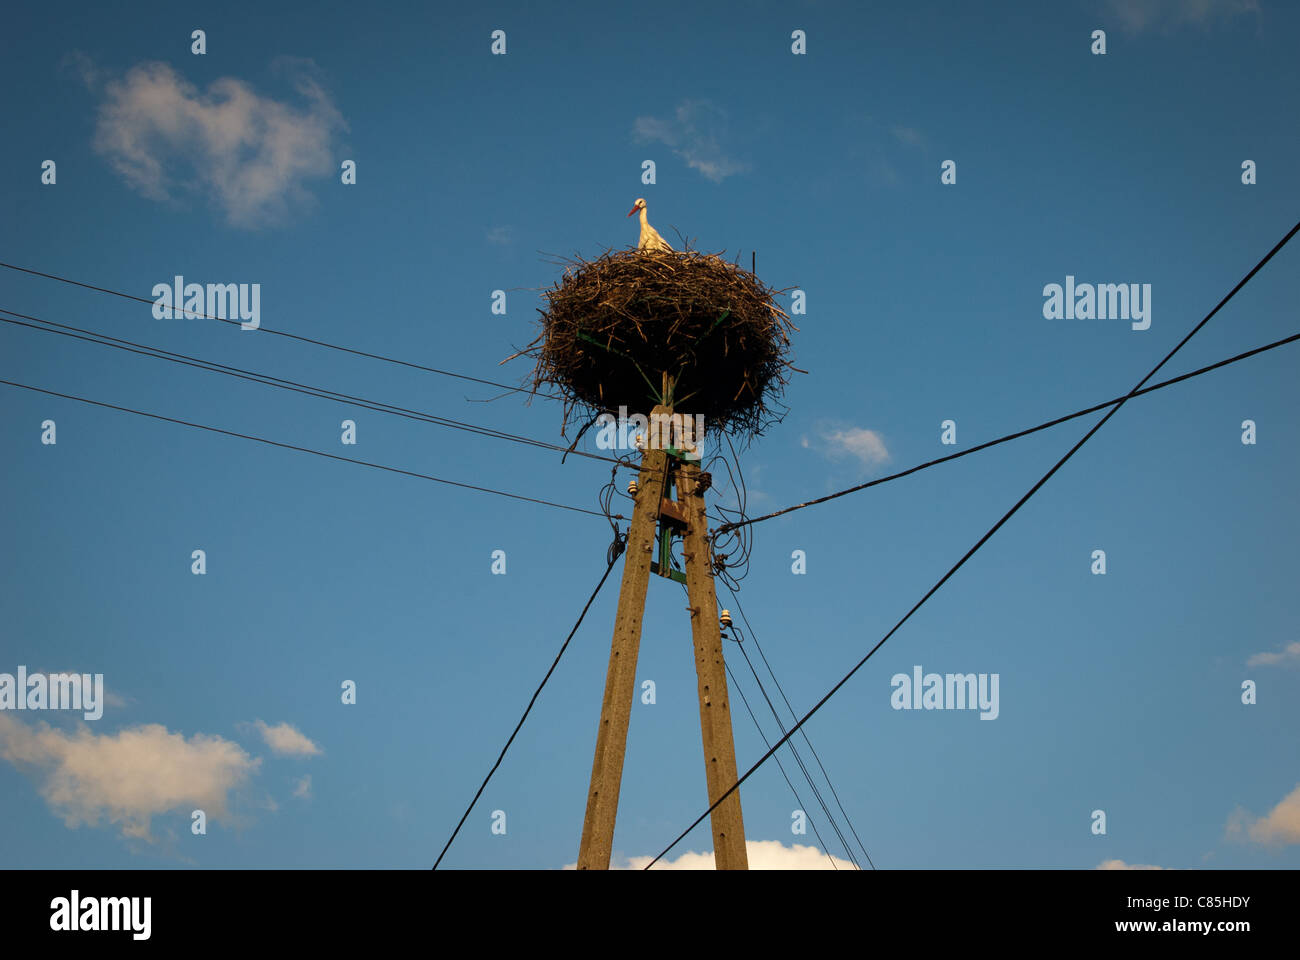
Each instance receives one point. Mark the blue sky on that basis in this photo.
(1120, 693)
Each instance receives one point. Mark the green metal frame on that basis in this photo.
(665, 561)
(666, 533)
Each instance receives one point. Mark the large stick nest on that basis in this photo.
(614, 328)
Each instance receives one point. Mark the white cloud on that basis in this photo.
(302, 788)
(1138, 15)
(866, 445)
(695, 134)
(1290, 654)
(858, 443)
(128, 777)
(1281, 826)
(284, 738)
(1121, 865)
(250, 153)
(762, 855)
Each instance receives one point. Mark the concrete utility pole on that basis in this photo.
(711, 674)
(620, 681)
(687, 513)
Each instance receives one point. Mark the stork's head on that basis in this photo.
(639, 205)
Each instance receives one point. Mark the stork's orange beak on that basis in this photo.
(633, 210)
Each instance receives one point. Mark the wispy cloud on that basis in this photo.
(1136, 16)
(1287, 656)
(128, 777)
(302, 788)
(696, 133)
(762, 855)
(249, 153)
(865, 446)
(1279, 827)
(285, 739)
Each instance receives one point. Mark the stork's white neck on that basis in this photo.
(644, 221)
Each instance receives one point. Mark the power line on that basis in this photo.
(987, 536)
(735, 684)
(528, 709)
(283, 333)
(212, 366)
(731, 546)
(730, 526)
(724, 528)
(739, 490)
(754, 636)
(817, 794)
(767, 743)
(319, 453)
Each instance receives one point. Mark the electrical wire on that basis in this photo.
(283, 333)
(767, 743)
(290, 446)
(212, 366)
(536, 693)
(989, 535)
(817, 794)
(731, 548)
(606, 495)
(735, 685)
(727, 528)
(794, 716)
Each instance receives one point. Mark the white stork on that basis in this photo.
(650, 239)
